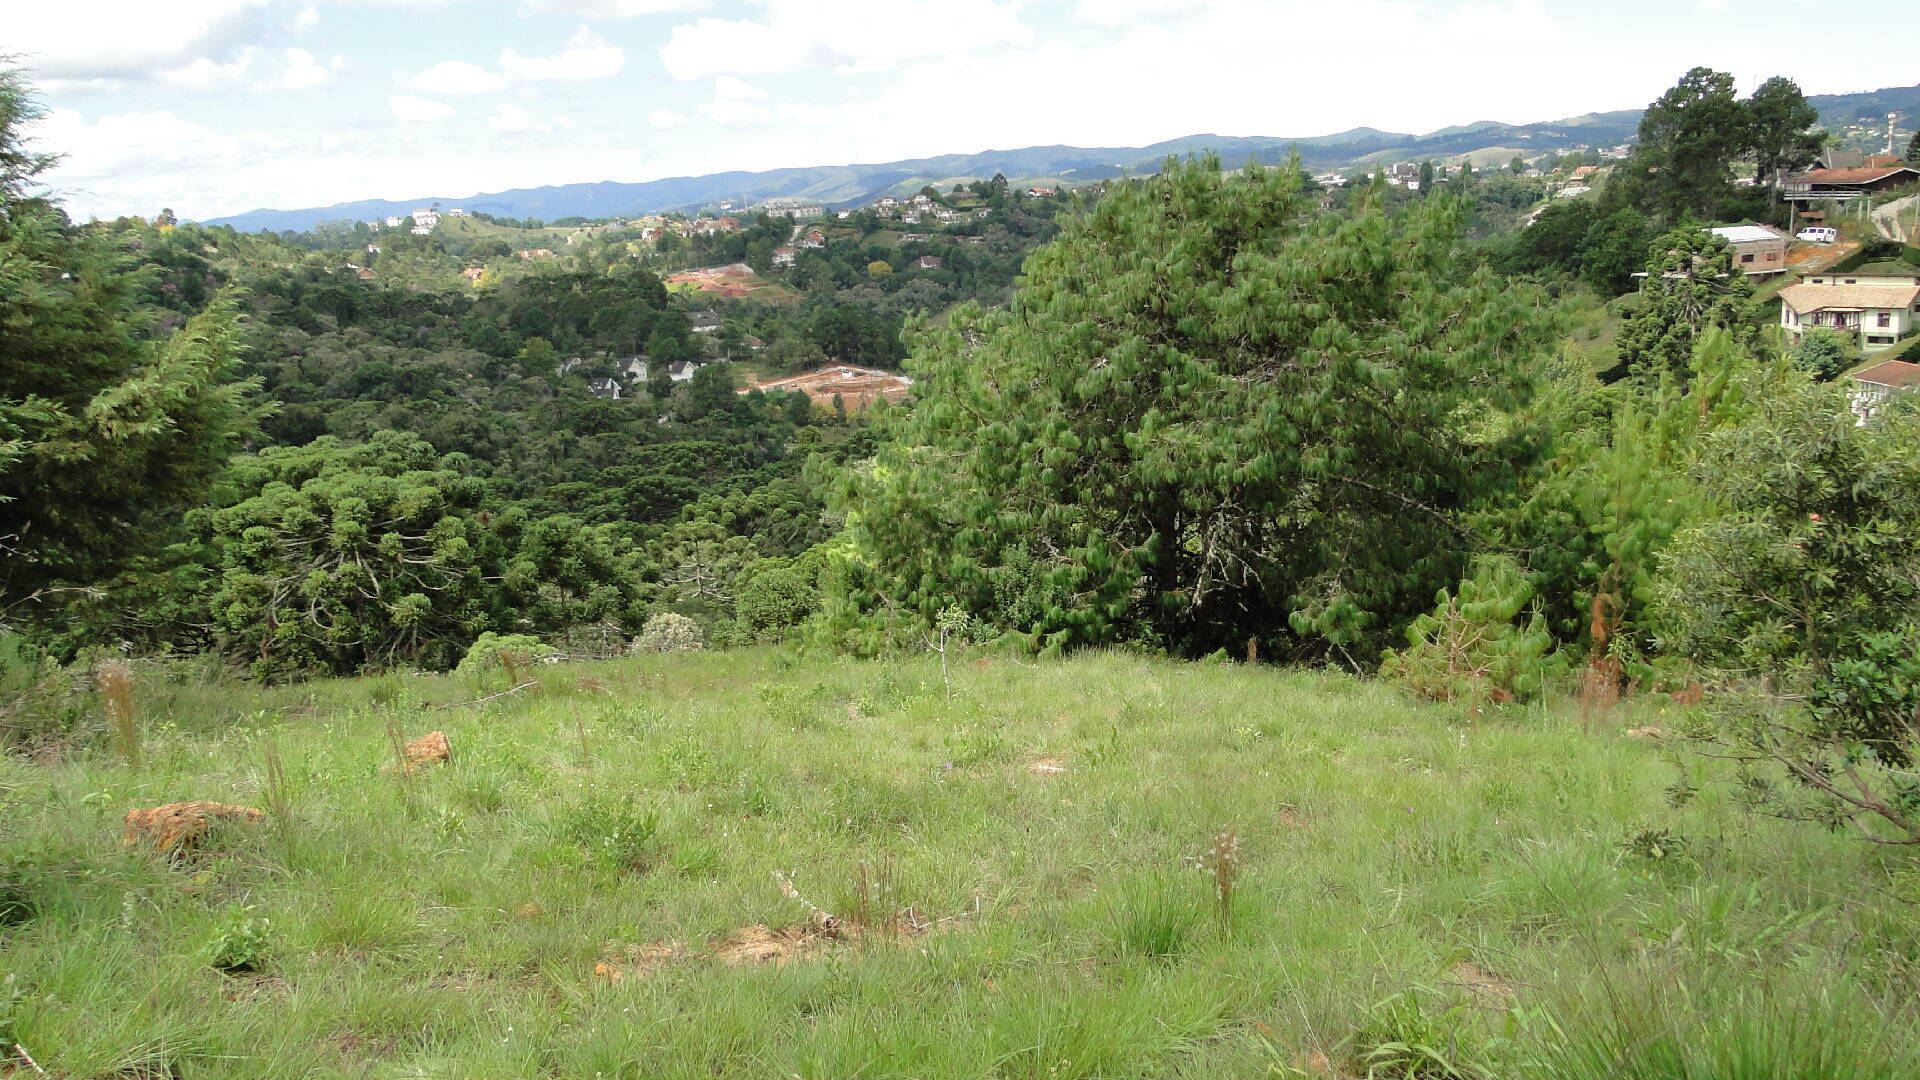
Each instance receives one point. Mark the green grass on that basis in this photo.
(1417, 895)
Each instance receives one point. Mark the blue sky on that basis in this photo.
(218, 106)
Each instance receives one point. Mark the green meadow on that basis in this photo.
(755, 864)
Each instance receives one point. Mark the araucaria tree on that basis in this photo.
(1212, 413)
(1691, 285)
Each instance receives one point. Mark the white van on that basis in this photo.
(1818, 234)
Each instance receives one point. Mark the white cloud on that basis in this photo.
(587, 56)
(107, 39)
(303, 72)
(665, 118)
(255, 69)
(798, 34)
(612, 9)
(308, 18)
(511, 118)
(417, 110)
(726, 86)
(732, 112)
(456, 77)
(128, 160)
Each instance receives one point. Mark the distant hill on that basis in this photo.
(844, 185)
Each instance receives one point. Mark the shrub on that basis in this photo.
(1804, 585)
(614, 831)
(240, 945)
(774, 598)
(1823, 354)
(484, 654)
(1469, 648)
(669, 632)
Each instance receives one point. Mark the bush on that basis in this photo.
(614, 831)
(484, 654)
(1823, 354)
(1469, 647)
(668, 632)
(240, 945)
(774, 598)
(1804, 584)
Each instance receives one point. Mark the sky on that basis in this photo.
(214, 107)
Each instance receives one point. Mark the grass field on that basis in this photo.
(617, 876)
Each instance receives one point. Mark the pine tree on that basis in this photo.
(1688, 140)
(1780, 129)
(104, 431)
(1210, 413)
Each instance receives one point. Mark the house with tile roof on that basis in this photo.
(1877, 385)
(1817, 184)
(1875, 308)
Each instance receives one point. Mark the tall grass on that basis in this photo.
(1404, 893)
(115, 678)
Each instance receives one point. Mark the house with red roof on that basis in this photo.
(1877, 385)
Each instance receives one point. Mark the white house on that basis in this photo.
(783, 256)
(1876, 304)
(1878, 384)
(1759, 250)
(604, 387)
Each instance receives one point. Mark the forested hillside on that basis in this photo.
(1456, 565)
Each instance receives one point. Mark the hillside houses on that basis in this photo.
(1806, 188)
(783, 256)
(1877, 385)
(1875, 305)
(1759, 250)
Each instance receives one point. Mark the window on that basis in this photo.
(1853, 281)
(1746, 258)
(1885, 319)
(1879, 339)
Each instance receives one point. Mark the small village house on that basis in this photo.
(1758, 250)
(703, 322)
(1810, 187)
(1877, 385)
(1875, 305)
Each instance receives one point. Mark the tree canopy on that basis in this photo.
(1213, 413)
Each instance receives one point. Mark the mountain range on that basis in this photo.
(845, 185)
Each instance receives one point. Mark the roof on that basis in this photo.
(1853, 176)
(1747, 234)
(1804, 297)
(1891, 373)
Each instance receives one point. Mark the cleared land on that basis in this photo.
(593, 887)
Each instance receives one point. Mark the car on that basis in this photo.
(1818, 234)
